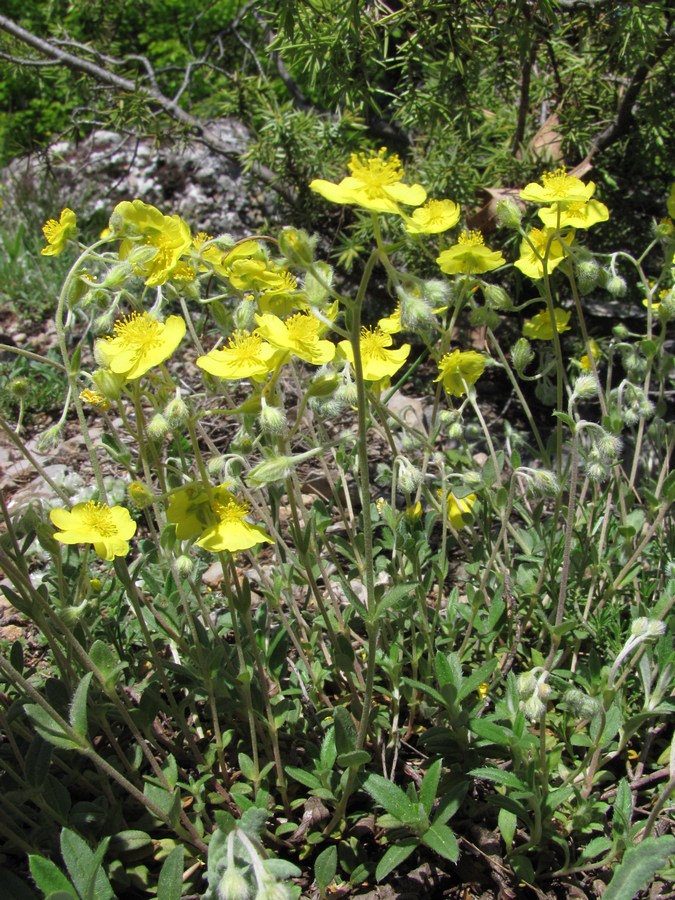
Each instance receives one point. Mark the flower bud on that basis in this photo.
(273, 890)
(496, 297)
(140, 495)
(233, 885)
(95, 585)
(415, 312)
(413, 513)
(108, 384)
(645, 628)
(49, 439)
(215, 465)
(176, 412)
(275, 468)
(242, 442)
(620, 331)
(317, 283)
(184, 565)
(597, 471)
(297, 247)
(585, 387)
(272, 419)
(581, 705)
(616, 286)
(409, 476)
(609, 446)
(158, 428)
(588, 274)
(508, 214)
(244, 314)
(116, 276)
(18, 388)
(540, 482)
(534, 709)
(435, 291)
(665, 228)
(456, 431)
(522, 355)
(527, 684)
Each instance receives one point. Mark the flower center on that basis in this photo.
(559, 183)
(99, 519)
(303, 328)
(475, 238)
(376, 172)
(373, 343)
(230, 510)
(51, 229)
(138, 330)
(245, 346)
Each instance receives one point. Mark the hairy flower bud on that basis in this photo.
(646, 629)
(158, 427)
(18, 388)
(496, 297)
(184, 565)
(272, 419)
(140, 495)
(588, 274)
(233, 885)
(616, 286)
(108, 384)
(527, 684)
(522, 355)
(416, 315)
(116, 276)
(49, 439)
(274, 468)
(244, 314)
(435, 291)
(533, 708)
(176, 412)
(508, 214)
(586, 386)
(409, 476)
(297, 246)
(581, 705)
(609, 446)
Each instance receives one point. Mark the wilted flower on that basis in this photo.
(459, 369)
(375, 184)
(469, 256)
(59, 233)
(108, 528)
(139, 342)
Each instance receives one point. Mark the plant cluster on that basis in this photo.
(291, 638)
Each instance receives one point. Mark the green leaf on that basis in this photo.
(325, 867)
(429, 786)
(392, 798)
(507, 822)
(106, 662)
(499, 776)
(345, 731)
(170, 882)
(38, 758)
(394, 856)
(441, 839)
(391, 597)
(622, 809)
(49, 878)
(355, 759)
(488, 731)
(48, 728)
(78, 707)
(425, 688)
(638, 867)
(167, 802)
(306, 778)
(84, 867)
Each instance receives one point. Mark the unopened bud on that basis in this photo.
(318, 282)
(158, 427)
(527, 684)
(184, 565)
(522, 355)
(416, 315)
(609, 445)
(49, 439)
(435, 291)
(297, 247)
(647, 629)
(496, 297)
(18, 388)
(581, 705)
(597, 471)
(456, 431)
(215, 465)
(585, 387)
(272, 419)
(533, 708)
(508, 214)
(140, 495)
(176, 412)
(620, 331)
(616, 286)
(588, 275)
(242, 442)
(540, 482)
(233, 886)
(409, 476)
(347, 394)
(665, 228)
(275, 468)
(108, 384)
(244, 314)
(117, 275)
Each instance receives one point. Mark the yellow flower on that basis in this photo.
(246, 356)
(144, 225)
(95, 399)
(375, 184)
(59, 233)
(108, 528)
(377, 360)
(533, 251)
(190, 509)
(232, 532)
(585, 360)
(299, 335)
(457, 507)
(391, 324)
(574, 215)
(459, 369)
(558, 187)
(469, 256)
(433, 218)
(139, 342)
(540, 327)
